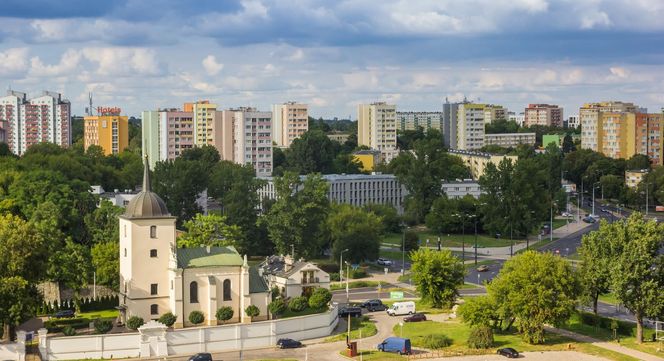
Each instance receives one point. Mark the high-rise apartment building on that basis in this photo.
(649, 135)
(591, 124)
(470, 126)
(494, 112)
(166, 134)
(109, 130)
(204, 114)
(415, 120)
(450, 112)
(377, 128)
(252, 139)
(572, 121)
(618, 134)
(543, 114)
(46, 118)
(289, 121)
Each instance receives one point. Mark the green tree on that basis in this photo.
(277, 307)
(596, 259)
(312, 152)
(252, 311)
(479, 311)
(224, 313)
(568, 144)
(499, 126)
(134, 322)
(196, 317)
(535, 289)
(106, 262)
(437, 276)
(320, 298)
(167, 319)
(354, 229)
(19, 300)
(613, 186)
(180, 182)
(102, 224)
(70, 267)
(388, 214)
(638, 161)
(411, 241)
(208, 230)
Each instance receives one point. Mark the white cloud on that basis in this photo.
(118, 61)
(619, 72)
(595, 20)
(68, 65)
(211, 66)
(13, 60)
(298, 54)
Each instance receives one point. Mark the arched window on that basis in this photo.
(154, 309)
(193, 292)
(227, 290)
(153, 231)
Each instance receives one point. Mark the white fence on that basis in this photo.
(12, 351)
(148, 343)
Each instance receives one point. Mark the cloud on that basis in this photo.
(211, 66)
(118, 61)
(68, 65)
(619, 72)
(13, 61)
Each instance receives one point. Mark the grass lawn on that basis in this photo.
(422, 306)
(306, 311)
(355, 284)
(609, 298)
(363, 325)
(112, 313)
(373, 355)
(452, 240)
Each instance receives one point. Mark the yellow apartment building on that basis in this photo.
(110, 132)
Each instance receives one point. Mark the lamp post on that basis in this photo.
(647, 186)
(403, 249)
(347, 273)
(551, 224)
(341, 265)
(463, 235)
(475, 240)
(594, 187)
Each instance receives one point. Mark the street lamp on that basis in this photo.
(594, 187)
(347, 273)
(341, 265)
(403, 248)
(463, 235)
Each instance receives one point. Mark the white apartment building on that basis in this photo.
(494, 112)
(355, 189)
(461, 188)
(509, 140)
(573, 121)
(415, 120)
(252, 139)
(289, 121)
(377, 128)
(46, 118)
(470, 126)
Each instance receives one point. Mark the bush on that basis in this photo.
(224, 313)
(411, 242)
(623, 327)
(168, 319)
(252, 311)
(358, 273)
(274, 292)
(480, 337)
(58, 325)
(436, 341)
(298, 304)
(277, 307)
(69, 331)
(134, 322)
(196, 317)
(334, 276)
(103, 326)
(320, 298)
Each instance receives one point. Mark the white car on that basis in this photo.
(384, 262)
(566, 214)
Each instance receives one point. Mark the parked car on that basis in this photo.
(566, 214)
(350, 311)
(482, 268)
(384, 262)
(508, 352)
(373, 305)
(589, 219)
(288, 343)
(605, 210)
(395, 344)
(64, 314)
(417, 317)
(203, 356)
(401, 308)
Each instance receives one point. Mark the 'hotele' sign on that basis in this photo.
(109, 110)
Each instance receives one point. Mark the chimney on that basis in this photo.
(288, 263)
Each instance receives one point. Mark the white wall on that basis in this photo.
(94, 347)
(12, 351)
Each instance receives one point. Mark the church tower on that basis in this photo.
(147, 252)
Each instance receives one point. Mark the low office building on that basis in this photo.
(461, 188)
(339, 137)
(415, 120)
(292, 277)
(509, 140)
(477, 161)
(634, 177)
(368, 158)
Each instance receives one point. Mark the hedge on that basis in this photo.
(624, 328)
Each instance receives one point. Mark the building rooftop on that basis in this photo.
(643, 171)
(256, 283)
(334, 177)
(276, 265)
(476, 153)
(208, 257)
(146, 204)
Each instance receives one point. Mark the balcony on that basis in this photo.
(308, 281)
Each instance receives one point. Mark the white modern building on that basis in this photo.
(470, 126)
(509, 140)
(289, 121)
(377, 128)
(415, 120)
(252, 139)
(461, 188)
(573, 121)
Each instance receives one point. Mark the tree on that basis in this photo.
(388, 214)
(638, 161)
(134, 322)
(167, 319)
(312, 152)
(568, 144)
(106, 262)
(437, 276)
(207, 155)
(596, 259)
(613, 186)
(180, 182)
(70, 266)
(354, 229)
(102, 326)
(452, 215)
(499, 126)
(196, 317)
(208, 230)
(535, 289)
(252, 311)
(479, 311)
(411, 241)
(224, 313)
(277, 307)
(480, 337)
(320, 298)
(19, 300)
(298, 304)
(102, 224)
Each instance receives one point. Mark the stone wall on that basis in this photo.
(52, 292)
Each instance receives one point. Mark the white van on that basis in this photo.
(401, 308)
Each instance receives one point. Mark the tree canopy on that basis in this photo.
(437, 276)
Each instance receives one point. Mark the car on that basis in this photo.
(605, 210)
(373, 305)
(202, 356)
(384, 262)
(417, 317)
(350, 311)
(589, 219)
(401, 308)
(508, 352)
(64, 314)
(288, 343)
(395, 344)
(566, 214)
(482, 268)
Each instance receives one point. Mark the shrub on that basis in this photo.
(480, 337)
(274, 292)
(334, 276)
(224, 313)
(358, 273)
(168, 319)
(320, 298)
(252, 311)
(298, 304)
(134, 322)
(436, 341)
(277, 307)
(196, 317)
(103, 326)
(69, 331)
(411, 242)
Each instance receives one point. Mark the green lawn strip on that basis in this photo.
(423, 307)
(609, 298)
(306, 311)
(602, 352)
(356, 284)
(468, 286)
(452, 240)
(111, 313)
(373, 355)
(358, 325)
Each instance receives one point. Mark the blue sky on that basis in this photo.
(145, 54)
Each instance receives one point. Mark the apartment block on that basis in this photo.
(477, 161)
(572, 121)
(592, 123)
(649, 134)
(25, 122)
(450, 113)
(461, 188)
(415, 120)
(289, 121)
(543, 114)
(494, 112)
(166, 134)
(634, 177)
(509, 140)
(618, 134)
(109, 131)
(377, 128)
(470, 126)
(252, 139)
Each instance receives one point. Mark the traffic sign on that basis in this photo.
(396, 295)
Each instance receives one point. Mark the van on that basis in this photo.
(401, 308)
(395, 344)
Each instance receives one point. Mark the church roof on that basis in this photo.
(256, 282)
(146, 204)
(201, 257)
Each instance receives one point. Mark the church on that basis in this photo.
(156, 277)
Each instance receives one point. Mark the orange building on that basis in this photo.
(649, 128)
(110, 132)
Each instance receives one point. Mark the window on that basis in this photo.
(153, 253)
(154, 309)
(193, 292)
(125, 230)
(153, 289)
(125, 252)
(227, 290)
(153, 231)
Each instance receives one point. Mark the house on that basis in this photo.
(293, 278)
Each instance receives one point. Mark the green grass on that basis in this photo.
(453, 240)
(373, 355)
(358, 325)
(112, 313)
(306, 311)
(609, 298)
(468, 286)
(356, 284)
(422, 306)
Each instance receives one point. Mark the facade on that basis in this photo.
(494, 112)
(289, 121)
(590, 118)
(2, 135)
(294, 278)
(470, 126)
(649, 134)
(157, 277)
(477, 161)
(618, 134)
(573, 121)
(26, 122)
(338, 137)
(556, 139)
(377, 128)
(509, 140)
(252, 139)
(368, 158)
(110, 132)
(450, 113)
(543, 114)
(166, 134)
(634, 177)
(355, 189)
(461, 188)
(204, 114)
(415, 120)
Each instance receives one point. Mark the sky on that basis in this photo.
(147, 54)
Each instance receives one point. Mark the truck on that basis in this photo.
(395, 344)
(401, 308)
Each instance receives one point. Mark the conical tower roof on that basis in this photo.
(146, 204)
